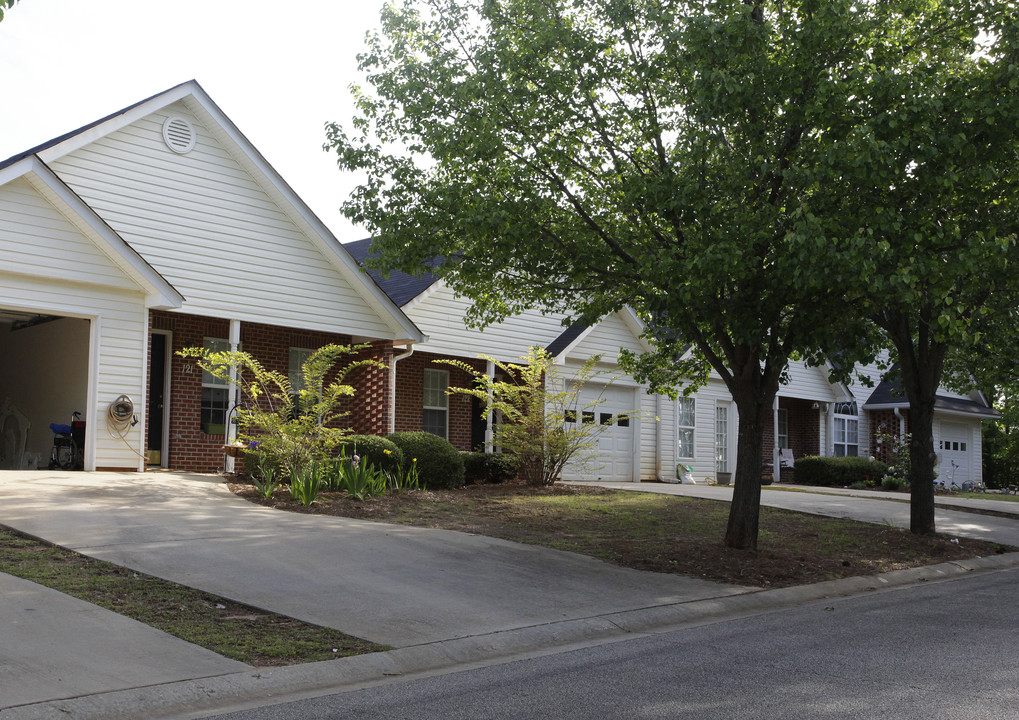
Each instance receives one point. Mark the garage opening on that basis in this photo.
(43, 380)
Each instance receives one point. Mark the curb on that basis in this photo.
(252, 688)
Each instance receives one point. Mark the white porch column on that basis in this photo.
(231, 429)
(490, 371)
(776, 471)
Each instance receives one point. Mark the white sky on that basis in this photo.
(279, 70)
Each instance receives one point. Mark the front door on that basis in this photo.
(156, 398)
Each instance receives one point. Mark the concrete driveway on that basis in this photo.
(391, 584)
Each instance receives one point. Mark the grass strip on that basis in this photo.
(231, 629)
(659, 533)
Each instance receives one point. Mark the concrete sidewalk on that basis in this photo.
(858, 505)
(444, 599)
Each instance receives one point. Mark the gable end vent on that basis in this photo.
(179, 135)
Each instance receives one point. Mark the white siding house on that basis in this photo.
(162, 223)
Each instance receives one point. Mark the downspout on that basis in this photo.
(902, 422)
(392, 385)
(231, 429)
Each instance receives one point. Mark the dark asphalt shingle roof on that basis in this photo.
(890, 392)
(566, 337)
(399, 286)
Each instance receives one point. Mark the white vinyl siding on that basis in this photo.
(203, 222)
(441, 317)
(38, 240)
(606, 339)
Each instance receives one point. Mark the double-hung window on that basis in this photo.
(783, 428)
(845, 430)
(435, 416)
(215, 393)
(685, 421)
(722, 438)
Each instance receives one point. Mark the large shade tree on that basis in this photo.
(938, 211)
(670, 155)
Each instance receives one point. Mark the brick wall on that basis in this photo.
(410, 396)
(803, 425)
(191, 449)
(884, 422)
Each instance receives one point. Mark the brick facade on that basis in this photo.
(410, 374)
(884, 422)
(804, 429)
(192, 450)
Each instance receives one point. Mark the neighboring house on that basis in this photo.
(636, 447)
(156, 228)
(813, 416)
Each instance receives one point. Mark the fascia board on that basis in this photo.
(422, 296)
(159, 293)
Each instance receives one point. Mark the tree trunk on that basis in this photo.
(745, 510)
(921, 461)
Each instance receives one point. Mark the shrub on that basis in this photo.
(381, 452)
(439, 464)
(838, 471)
(482, 467)
(891, 482)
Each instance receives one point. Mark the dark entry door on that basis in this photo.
(157, 386)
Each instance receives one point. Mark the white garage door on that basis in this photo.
(614, 455)
(954, 453)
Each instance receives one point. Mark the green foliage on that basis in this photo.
(892, 483)
(737, 173)
(292, 428)
(899, 468)
(532, 403)
(482, 467)
(381, 452)
(839, 471)
(307, 481)
(359, 478)
(431, 459)
(263, 473)
(6, 5)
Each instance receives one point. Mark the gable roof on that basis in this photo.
(889, 394)
(159, 292)
(197, 101)
(399, 286)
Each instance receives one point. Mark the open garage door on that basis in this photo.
(43, 379)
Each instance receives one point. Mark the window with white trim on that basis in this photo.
(436, 402)
(845, 430)
(783, 429)
(722, 438)
(298, 356)
(215, 393)
(685, 422)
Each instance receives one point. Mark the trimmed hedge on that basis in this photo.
(439, 463)
(372, 449)
(838, 471)
(482, 467)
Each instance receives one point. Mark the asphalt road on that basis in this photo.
(943, 650)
